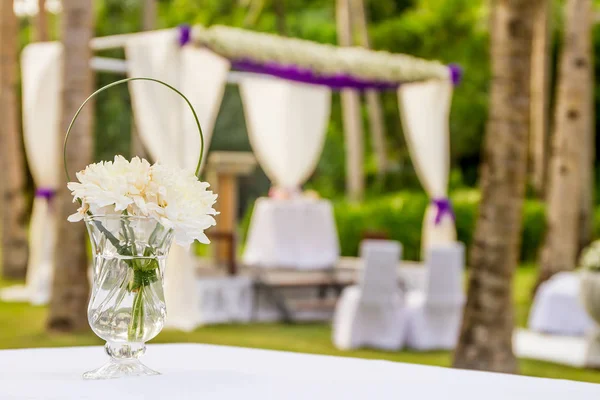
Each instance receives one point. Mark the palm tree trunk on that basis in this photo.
(486, 335)
(376, 121)
(279, 6)
(40, 27)
(149, 15)
(540, 98)
(586, 212)
(353, 129)
(572, 135)
(12, 167)
(255, 8)
(70, 290)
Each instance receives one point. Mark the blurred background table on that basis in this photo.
(295, 234)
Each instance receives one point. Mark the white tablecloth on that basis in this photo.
(198, 372)
(298, 233)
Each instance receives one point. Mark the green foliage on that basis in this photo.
(400, 216)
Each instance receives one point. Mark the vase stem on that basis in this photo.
(123, 362)
(125, 351)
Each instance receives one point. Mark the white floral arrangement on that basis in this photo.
(173, 197)
(240, 44)
(590, 257)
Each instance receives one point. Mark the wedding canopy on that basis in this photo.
(424, 94)
(287, 104)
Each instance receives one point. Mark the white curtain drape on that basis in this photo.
(167, 128)
(287, 123)
(41, 82)
(424, 111)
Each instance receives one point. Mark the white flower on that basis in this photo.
(120, 183)
(182, 203)
(78, 216)
(172, 196)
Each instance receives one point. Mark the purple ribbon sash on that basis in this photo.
(185, 34)
(444, 208)
(46, 193)
(306, 75)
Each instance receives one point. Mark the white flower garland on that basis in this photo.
(324, 59)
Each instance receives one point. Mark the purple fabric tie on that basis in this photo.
(456, 74)
(444, 207)
(185, 34)
(46, 193)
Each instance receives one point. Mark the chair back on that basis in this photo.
(444, 275)
(379, 279)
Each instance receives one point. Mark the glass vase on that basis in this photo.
(127, 305)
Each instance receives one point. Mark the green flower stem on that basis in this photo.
(135, 331)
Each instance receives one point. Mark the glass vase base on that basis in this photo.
(120, 369)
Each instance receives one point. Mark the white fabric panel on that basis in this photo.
(372, 314)
(195, 371)
(163, 118)
(298, 234)
(424, 111)
(42, 82)
(167, 128)
(287, 123)
(557, 308)
(435, 314)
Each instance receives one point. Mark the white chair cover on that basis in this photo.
(435, 314)
(424, 110)
(226, 300)
(167, 127)
(372, 313)
(42, 83)
(557, 309)
(287, 123)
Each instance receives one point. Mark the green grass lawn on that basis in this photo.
(23, 326)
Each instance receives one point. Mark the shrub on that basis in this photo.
(401, 217)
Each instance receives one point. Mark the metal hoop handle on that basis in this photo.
(124, 81)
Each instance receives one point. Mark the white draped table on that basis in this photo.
(193, 371)
(296, 233)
